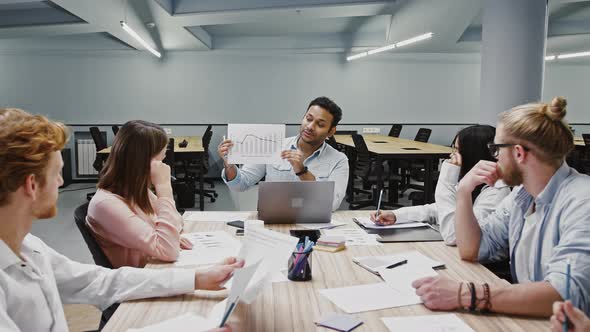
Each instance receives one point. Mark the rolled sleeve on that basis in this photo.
(494, 243)
(246, 177)
(574, 246)
(340, 177)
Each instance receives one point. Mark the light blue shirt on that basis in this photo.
(563, 210)
(326, 164)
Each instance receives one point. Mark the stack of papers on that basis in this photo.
(431, 323)
(208, 248)
(273, 250)
(354, 236)
(367, 223)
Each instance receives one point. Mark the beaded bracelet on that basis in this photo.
(472, 291)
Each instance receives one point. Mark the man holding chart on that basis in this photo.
(306, 157)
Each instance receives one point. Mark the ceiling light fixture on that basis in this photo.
(134, 34)
(550, 58)
(573, 55)
(390, 46)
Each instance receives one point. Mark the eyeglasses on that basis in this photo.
(495, 148)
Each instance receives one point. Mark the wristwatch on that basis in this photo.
(303, 171)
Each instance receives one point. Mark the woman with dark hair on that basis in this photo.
(130, 222)
(469, 147)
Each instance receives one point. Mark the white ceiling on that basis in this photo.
(301, 26)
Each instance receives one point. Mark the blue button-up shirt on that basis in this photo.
(563, 209)
(326, 164)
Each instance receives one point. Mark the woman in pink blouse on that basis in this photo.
(130, 222)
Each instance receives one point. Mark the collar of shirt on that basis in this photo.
(292, 143)
(7, 256)
(523, 198)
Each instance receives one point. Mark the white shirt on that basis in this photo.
(32, 290)
(442, 211)
(524, 253)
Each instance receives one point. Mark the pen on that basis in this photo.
(567, 291)
(397, 264)
(379, 203)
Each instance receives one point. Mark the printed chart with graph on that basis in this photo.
(256, 143)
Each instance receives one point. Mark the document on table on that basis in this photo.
(375, 263)
(255, 143)
(273, 250)
(327, 225)
(367, 223)
(369, 297)
(179, 323)
(208, 248)
(354, 236)
(401, 278)
(198, 216)
(430, 323)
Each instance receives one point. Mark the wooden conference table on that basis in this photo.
(579, 141)
(192, 151)
(387, 148)
(294, 306)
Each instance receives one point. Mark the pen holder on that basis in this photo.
(299, 268)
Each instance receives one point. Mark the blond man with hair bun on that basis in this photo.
(540, 226)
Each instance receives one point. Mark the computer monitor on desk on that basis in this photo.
(295, 202)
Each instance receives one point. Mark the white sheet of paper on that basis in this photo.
(198, 216)
(272, 249)
(208, 248)
(376, 263)
(401, 277)
(430, 323)
(179, 323)
(371, 225)
(255, 143)
(329, 225)
(369, 297)
(354, 236)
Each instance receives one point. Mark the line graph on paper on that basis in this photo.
(255, 143)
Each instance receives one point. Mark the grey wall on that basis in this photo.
(202, 88)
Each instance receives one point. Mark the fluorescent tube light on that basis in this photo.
(139, 39)
(414, 39)
(357, 56)
(550, 58)
(381, 49)
(573, 55)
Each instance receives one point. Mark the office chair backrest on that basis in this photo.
(395, 130)
(207, 139)
(115, 129)
(586, 138)
(332, 142)
(97, 138)
(169, 158)
(97, 254)
(423, 135)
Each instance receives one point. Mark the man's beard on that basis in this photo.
(510, 174)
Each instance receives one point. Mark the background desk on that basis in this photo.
(293, 306)
(397, 148)
(193, 151)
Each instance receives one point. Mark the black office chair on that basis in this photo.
(115, 129)
(332, 142)
(98, 255)
(395, 130)
(423, 135)
(194, 168)
(345, 132)
(100, 144)
(364, 171)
